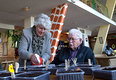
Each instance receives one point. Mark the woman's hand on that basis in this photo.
(36, 59)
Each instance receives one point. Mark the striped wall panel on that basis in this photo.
(57, 17)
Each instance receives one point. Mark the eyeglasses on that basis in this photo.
(72, 39)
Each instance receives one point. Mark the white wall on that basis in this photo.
(86, 33)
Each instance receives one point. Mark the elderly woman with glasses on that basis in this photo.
(75, 50)
(35, 42)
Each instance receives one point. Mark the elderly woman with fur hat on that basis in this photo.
(35, 42)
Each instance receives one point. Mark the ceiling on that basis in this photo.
(12, 12)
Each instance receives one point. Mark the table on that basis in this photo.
(106, 60)
(5, 64)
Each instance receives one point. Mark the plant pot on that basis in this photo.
(36, 75)
(21, 69)
(42, 66)
(51, 69)
(70, 74)
(88, 69)
(108, 72)
(4, 75)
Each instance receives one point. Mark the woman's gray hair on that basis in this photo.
(44, 20)
(76, 32)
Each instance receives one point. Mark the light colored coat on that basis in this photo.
(25, 47)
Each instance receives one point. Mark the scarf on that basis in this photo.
(37, 42)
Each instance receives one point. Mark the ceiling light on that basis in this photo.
(27, 9)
